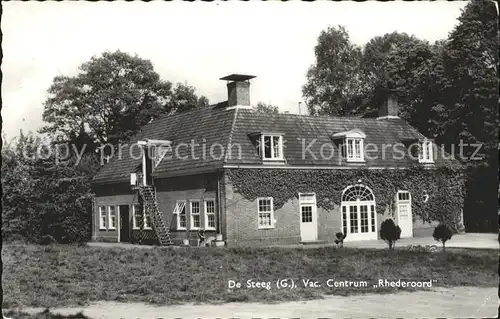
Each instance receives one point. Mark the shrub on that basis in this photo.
(442, 234)
(77, 229)
(339, 240)
(48, 240)
(390, 232)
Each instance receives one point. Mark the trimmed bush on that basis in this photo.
(442, 234)
(390, 232)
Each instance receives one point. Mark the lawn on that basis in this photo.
(49, 276)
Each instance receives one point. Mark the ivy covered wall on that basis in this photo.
(444, 187)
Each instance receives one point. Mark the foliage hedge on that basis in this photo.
(444, 185)
(45, 200)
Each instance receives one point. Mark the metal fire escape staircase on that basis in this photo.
(160, 226)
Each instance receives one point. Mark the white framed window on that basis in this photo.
(307, 207)
(102, 218)
(425, 154)
(354, 149)
(195, 214)
(403, 196)
(210, 214)
(180, 211)
(351, 144)
(137, 216)
(265, 212)
(147, 219)
(270, 146)
(112, 217)
(307, 198)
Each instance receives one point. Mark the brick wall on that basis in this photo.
(242, 228)
(239, 215)
(238, 93)
(169, 191)
(189, 188)
(223, 179)
(242, 222)
(111, 200)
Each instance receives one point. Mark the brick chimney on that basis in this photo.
(238, 90)
(390, 107)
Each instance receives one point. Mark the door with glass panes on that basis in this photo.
(359, 218)
(308, 217)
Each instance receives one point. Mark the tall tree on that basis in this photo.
(43, 195)
(405, 69)
(375, 52)
(332, 84)
(387, 63)
(471, 113)
(184, 98)
(262, 107)
(471, 68)
(112, 96)
(19, 189)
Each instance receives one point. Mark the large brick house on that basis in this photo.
(174, 177)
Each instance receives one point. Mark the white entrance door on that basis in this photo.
(404, 214)
(359, 219)
(308, 217)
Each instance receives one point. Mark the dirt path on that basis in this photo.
(463, 302)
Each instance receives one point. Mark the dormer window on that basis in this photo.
(352, 144)
(269, 146)
(354, 149)
(426, 154)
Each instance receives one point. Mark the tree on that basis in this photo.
(111, 98)
(18, 187)
(471, 68)
(381, 56)
(332, 82)
(390, 232)
(43, 196)
(470, 113)
(405, 68)
(184, 98)
(349, 81)
(442, 234)
(262, 107)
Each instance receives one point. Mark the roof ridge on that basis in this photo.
(318, 116)
(230, 139)
(177, 114)
(164, 116)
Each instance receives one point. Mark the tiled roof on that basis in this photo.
(215, 127)
(302, 131)
(203, 126)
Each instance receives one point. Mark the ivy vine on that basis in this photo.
(443, 187)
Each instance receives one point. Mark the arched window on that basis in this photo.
(357, 192)
(359, 220)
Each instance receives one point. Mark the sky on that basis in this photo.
(193, 43)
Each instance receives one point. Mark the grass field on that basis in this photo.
(38, 276)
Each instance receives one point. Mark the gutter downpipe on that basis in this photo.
(94, 217)
(219, 236)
